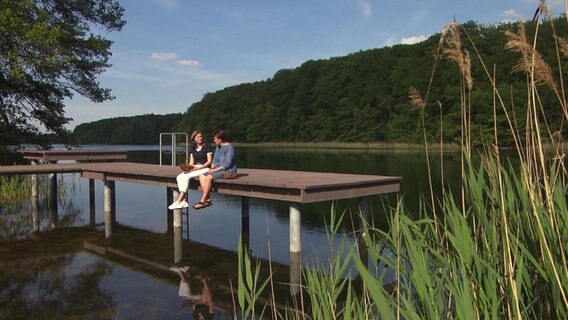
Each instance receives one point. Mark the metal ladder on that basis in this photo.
(173, 137)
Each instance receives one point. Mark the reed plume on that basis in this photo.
(531, 61)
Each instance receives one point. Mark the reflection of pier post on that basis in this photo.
(295, 248)
(245, 222)
(92, 212)
(34, 182)
(109, 206)
(35, 214)
(52, 199)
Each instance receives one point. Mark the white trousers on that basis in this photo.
(184, 177)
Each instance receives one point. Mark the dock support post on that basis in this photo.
(52, 199)
(178, 244)
(295, 272)
(295, 248)
(92, 212)
(178, 228)
(245, 222)
(169, 213)
(177, 212)
(295, 228)
(108, 207)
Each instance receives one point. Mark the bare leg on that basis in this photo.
(181, 196)
(206, 183)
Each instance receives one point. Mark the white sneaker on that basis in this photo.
(174, 205)
(184, 204)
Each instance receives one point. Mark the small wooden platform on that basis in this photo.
(75, 154)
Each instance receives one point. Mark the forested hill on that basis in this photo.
(143, 129)
(363, 97)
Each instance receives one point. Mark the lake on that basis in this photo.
(49, 275)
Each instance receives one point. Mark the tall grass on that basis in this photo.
(14, 188)
(495, 250)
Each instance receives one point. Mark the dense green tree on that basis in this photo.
(143, 129)
(49, 52)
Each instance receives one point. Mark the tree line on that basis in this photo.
(143, 129)
(364, 96)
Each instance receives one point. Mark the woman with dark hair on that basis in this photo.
(223, 164)
(200, 157)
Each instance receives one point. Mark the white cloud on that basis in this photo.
(189, 63)
(169, 5)
(511, 15)
(364, 6)
(164, 56)
(413, 39)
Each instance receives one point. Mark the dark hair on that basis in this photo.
(220, 134)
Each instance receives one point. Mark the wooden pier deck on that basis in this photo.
(284, 185)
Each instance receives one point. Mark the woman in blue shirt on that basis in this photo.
(223, 163)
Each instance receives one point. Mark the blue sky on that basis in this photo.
(172, 52)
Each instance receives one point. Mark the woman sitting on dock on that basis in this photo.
(200, 157)
(224, 165)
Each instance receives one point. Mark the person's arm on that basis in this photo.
(191, 160)
(229, 157)
(209, 159)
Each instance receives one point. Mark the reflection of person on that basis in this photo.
(223, 163)
(200, 157)
(202, 304)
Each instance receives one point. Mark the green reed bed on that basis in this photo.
(496, 248)
(503, 259)
(14, 188)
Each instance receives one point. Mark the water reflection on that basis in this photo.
(58, 286)
(50, 209)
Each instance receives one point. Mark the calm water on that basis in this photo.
(82, 284)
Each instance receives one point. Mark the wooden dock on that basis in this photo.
(284, 185)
